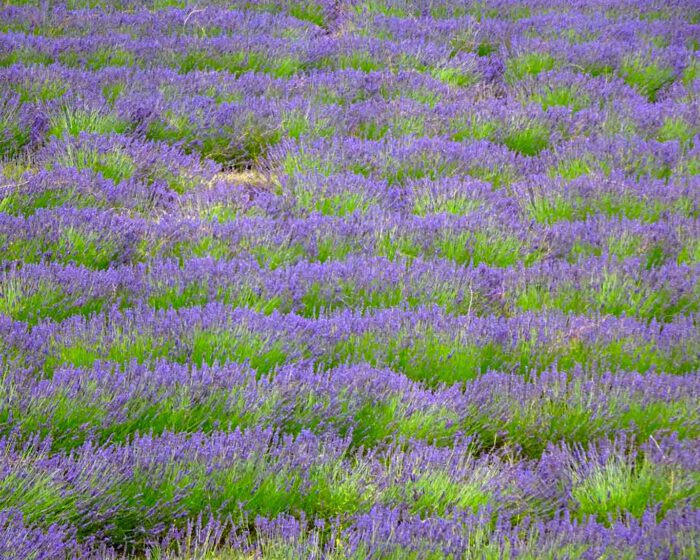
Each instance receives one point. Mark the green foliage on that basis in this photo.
(235, 62)
(458, 205)
(528, 141)
(648, 77)
(529, 64)
(32, 92)
(25, 56)
(430, 359)
(455, 77)
(473, 129)
(481, 247)
(615, 296)
(358, 60)
(14, 137)
(676, 129)
(691, 72)
(107, 57)
(308, 11)
(437, 492)
(626, 486)
(72, 122)
(307, 199)
(199, 347)
(45, 301)
(572, 169)
(199, 293)
(115, 164)
(90, 249)
(562, 96)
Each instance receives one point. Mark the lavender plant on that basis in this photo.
(349, 279)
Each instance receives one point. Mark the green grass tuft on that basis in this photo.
(647, 77)
(530, 64)
(528, 141)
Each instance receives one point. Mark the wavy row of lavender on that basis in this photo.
(353, 279)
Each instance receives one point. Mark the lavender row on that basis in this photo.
(412, 19)
(592, 285)
(149, 181)
(127, 494)
(426, 344)
(548, 129)
(382, 532)
(124, 87)
(112, 403)
(171, 35)
(100, 239)
(356, 279)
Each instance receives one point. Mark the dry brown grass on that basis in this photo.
(250, 178)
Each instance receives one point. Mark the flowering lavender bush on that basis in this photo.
(349, 279)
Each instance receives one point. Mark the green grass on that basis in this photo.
(690, 252)
(109, 57)
(320, 298)
(307, 198)
(303, 162)
(205, 245)
(474, 129)
(430, 359)
(562, 96)
(455, 77)
(437, 493)
(392, 246)
(528, 140)
(676, 129)
(166, 4)
(26, 57)
(381, 7)
(198, 347)
(625, 486)
(435, 358)
(549, 208)
(277, 256)
(616, 296)
(457, 205)
(114, 164)
(263, 354)
(430, 166)
(14, 137)
(691, 72)
(171, 128)
(267, 485)
(566, 414)
(69, 418)
(87, 248)
(45, 301)
(571, 169)
(235, 62)
(198, 293)
(31, 92)
(530, 64)
(648, 77)
(308, 11)
(284, 66)
(21, 204)
(71, 122)
(479, 247)
(358, 60)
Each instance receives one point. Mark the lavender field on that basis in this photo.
(351, 279)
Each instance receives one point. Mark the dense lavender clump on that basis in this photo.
(349, 279)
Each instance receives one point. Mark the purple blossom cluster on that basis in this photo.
(349, 279)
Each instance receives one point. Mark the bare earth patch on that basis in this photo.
(251, 178)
